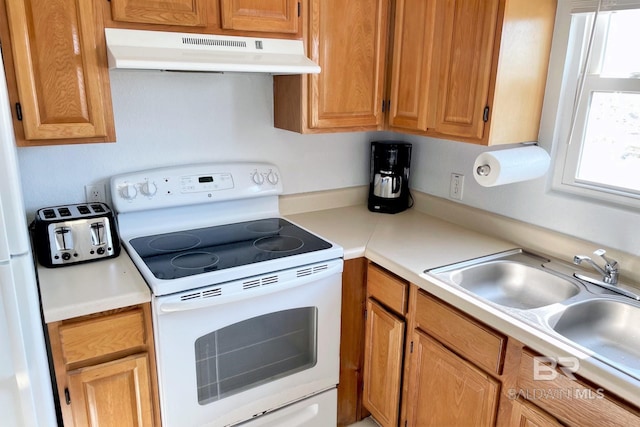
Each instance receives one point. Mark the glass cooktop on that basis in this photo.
(186, 253)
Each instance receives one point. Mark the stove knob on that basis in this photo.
(272, 177)
(129, 192)
(257, 178)
(149, 188)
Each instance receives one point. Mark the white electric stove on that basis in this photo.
(246, 305)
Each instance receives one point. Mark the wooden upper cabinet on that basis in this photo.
(468, 34)
(442, 64)
(189, 13)
(278, 16)
(467, 38)
(462, 68)
(61, 74)
(413, 87)
(348, 39)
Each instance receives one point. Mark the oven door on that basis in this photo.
(225, 359)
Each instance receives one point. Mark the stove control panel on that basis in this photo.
(193, 184)
(208, 182)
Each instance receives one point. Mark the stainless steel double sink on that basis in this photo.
(543, 293)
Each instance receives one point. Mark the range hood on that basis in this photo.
(159, 50)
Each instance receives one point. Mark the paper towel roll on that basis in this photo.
(512, 165)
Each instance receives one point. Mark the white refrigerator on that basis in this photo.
(26, 397)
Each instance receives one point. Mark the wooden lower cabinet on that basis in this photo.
(116, 393)
(387, 296)
(570, 399)
(526, 414)
(384, 341)
(446, 390)
(458, 371)
(105, 368)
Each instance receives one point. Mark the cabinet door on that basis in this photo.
(61, 70)
(276, 16)
(349, 41)
(444, 389)
(525, 414)
(112, 394)
(384, 339)
(189, 13)
(468, 34)
(413, 72)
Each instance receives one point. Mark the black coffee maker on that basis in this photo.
(389, 176)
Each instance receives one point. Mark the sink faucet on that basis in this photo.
(610, 270)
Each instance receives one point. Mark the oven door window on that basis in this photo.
(254, 352)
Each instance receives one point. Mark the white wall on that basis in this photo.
(169, 118)
(176, 118)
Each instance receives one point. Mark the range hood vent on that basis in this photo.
(159, 50)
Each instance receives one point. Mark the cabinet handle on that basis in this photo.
(67, 396)
(18, 111)
(485, 115)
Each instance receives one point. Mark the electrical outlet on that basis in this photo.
(95, 193)
(456, 185)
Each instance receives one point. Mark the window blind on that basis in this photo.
(590, 6)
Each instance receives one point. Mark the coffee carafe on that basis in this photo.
(389, 177)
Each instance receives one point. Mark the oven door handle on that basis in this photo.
(173, 306)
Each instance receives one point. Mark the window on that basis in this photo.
(254, 352)
(599, 147)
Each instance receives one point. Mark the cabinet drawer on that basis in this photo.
(98, 336)
(570, 400)
(470, 339)
(388, 289)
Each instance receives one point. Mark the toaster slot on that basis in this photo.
(64, 238)
(97, 234)
(63, 212)
(84, 210)
(49, 213)
(98, 208)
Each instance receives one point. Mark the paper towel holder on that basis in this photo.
(483, 170)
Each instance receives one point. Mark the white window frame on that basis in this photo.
(567, 155)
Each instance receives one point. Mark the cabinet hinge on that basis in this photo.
(485, 115)
(67, 396)
(299, 8)
(19, 111)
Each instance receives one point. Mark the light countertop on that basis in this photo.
(82, 289)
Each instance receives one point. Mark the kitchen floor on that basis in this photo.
(367, 422)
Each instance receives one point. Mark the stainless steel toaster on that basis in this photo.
(72, 234)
